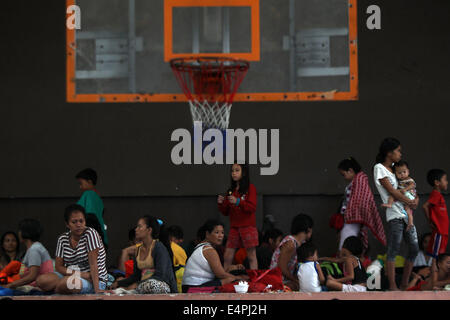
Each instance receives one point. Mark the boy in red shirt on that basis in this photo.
(436, 213)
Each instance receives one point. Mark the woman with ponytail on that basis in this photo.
(153, 269)
(358, 208)
(396, 216)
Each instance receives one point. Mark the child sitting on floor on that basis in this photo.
(310, 275)
(355, 276)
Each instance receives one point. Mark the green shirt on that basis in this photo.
(92, 203)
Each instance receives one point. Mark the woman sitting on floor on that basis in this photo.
(152, 263)
(285, 256)
(203, 268)
(10, 249)
(37, 261)
(80, 258)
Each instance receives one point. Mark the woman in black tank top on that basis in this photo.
(360, 275)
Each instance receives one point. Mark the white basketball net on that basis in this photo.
(211, 114)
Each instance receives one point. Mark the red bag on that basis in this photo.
(266, 277)
(259, 280)
(256, 287)
(129, 265)
(337, 221)
(10, 273)
(228, 288)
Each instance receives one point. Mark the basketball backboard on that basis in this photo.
(297, 49)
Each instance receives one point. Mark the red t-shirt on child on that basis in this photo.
(242, 215)
(438, 212)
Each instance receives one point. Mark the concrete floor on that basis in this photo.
(417, 295)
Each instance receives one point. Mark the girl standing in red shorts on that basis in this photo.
(240, 206)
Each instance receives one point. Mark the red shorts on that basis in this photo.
(242, 237)
(437, 245)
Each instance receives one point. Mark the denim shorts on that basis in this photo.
(396, 234)
(86, 286)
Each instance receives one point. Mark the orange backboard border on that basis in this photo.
(169, 5)
(72, 96)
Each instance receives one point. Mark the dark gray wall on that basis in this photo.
(403, 84)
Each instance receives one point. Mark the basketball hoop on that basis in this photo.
(210, 85)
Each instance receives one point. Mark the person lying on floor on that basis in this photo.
(355, 276)
(439, 278)
(203, 268)
(418, 278)
(153, 271)
(80, 258)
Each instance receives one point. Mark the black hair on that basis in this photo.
(386, 146)
(132, 234)
(349, 163)
(245, 179)
(401, 163)
(423, 238)
(71, 209)
(442, 257)
(301, 223)
(159, 232)
(201, 233)
(2, 250)
(30, 229)
(209, 226)
(176, 232)
(354, 245)
(435, 174)
(305, 251)
(92, 222)
(87, 174)
(271, 234)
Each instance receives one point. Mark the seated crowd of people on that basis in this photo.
(158, 261)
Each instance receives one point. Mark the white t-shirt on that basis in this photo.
(421, 261)
(308, 277)
(397, 211)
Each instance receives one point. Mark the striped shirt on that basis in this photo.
(78, 257)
